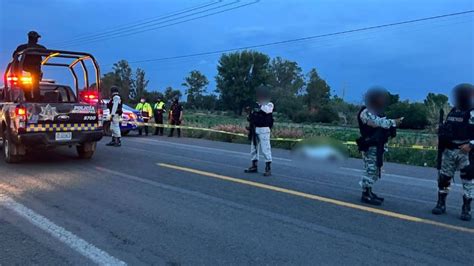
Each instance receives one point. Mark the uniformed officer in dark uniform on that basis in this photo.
(175, 116)
(456, 137)
(158, 110)
(32, 64)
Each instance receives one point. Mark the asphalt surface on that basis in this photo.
(159, 200)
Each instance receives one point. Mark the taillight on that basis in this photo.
(20, 118)
(100, 116)
(20, 111)
(25, 80)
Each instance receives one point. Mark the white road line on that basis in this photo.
(74, 242)
(196, 147)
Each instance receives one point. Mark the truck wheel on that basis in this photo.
(86, 150)
(9, 148)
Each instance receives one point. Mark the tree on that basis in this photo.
(317, 91)
(171, 94)
(107, 81)
(152, 96)
(121, 76)
(139, 85)
(239, 74)
(195, 85)
(287, 81)
(416, 114)
(434, 102)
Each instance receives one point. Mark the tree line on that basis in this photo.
(299, 97)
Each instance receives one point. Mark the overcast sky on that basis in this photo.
(411, 60)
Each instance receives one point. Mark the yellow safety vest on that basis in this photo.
(159, 106)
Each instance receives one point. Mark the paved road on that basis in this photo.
(187, 201)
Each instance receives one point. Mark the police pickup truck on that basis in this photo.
(37, 113)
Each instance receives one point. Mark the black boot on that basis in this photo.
(253, 168)
(376, 197)
(118, 143)
(367, 197)
(441, 204)
(111, 143)
(268, 169)
(466, 209)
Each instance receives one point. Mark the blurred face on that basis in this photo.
(142, 100)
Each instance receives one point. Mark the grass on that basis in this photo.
(236, 124)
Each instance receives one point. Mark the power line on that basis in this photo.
(137, 31)
(138, 23)
(306, 38)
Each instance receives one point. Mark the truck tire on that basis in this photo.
(86, 150)
(9, 148)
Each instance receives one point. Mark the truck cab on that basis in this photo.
(36, 113)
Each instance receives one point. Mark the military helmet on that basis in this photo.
(463, 95)
(376, 97)
(263, 91)
(114, 89)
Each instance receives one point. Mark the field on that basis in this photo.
(401, 148)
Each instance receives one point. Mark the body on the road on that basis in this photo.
(456, 136)
(260, 123)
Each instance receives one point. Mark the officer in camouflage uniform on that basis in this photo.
(457, 138)
(375, 131)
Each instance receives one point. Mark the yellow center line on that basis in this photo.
(320, 198)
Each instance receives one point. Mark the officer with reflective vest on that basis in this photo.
(158, 111)
(260, 119)
(115, 107)
(456, 136)
(147, 113)
(375, 130)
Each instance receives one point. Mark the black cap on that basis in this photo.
(33, 34)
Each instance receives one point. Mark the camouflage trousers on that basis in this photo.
(455, 160)
(372, 173)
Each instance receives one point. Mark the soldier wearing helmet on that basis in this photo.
(260, 123)
(375, 130)
(115, 107)
(456, 135)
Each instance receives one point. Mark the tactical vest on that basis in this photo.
(365, 130)
(262, 119)
(110, 105)
(457, 126)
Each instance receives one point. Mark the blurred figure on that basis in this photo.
(158, 110)
(260, 123)
(375, 130)
(115, 107)
(456, 137)
(32, 64)
(147, 112)
(175, 116)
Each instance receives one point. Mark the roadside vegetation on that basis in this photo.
(306, 106)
